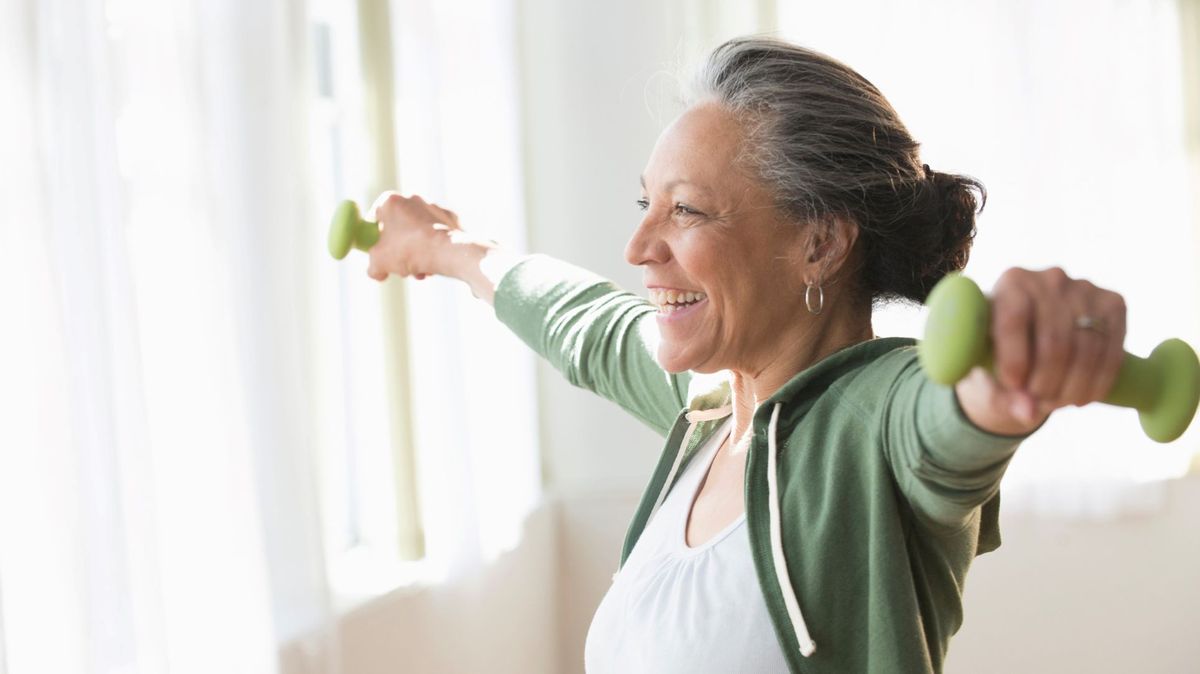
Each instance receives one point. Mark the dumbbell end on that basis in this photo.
(1175, 405)
(342, 229)
(956, 332)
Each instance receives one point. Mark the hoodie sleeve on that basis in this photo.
(945, 465)
(600, 337)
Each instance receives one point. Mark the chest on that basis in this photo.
(719, 499)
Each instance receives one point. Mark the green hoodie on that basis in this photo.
(868, 492)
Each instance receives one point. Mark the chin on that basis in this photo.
(672, 362)
(675, 362)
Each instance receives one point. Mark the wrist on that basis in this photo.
(460, 253)
(478, 262)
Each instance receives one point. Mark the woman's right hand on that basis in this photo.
(414, 237)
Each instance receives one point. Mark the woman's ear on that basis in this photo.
(829, 245)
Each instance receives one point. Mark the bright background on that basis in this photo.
(222, 451)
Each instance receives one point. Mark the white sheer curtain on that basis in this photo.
(458, 138)
(157, 510)
(456, 129)
(1072, 114)
(183, 370)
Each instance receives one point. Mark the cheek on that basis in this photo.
(708, 260)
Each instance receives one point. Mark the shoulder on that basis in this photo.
(892, 360)
(859, 399)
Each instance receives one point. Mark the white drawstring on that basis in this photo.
(693, 417)
(807, 645)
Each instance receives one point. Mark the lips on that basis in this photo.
(671, 313)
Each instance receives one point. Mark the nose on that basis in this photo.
(645, 245)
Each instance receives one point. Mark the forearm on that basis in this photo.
(599, 336)
(945, 462)
(480, 263)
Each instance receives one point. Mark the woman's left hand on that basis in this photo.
(1044, 359)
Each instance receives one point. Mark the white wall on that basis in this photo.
(494, 621)
(1071, 596)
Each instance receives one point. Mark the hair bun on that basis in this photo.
(829, 146)
(944, 210)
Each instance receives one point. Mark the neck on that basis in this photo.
(808, 343)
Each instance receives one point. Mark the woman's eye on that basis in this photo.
(679, 208)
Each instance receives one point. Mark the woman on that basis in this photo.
(816, 488)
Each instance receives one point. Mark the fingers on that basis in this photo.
(1012, 330)
(1113, 355)
(445, 216)
(1087, 348)
(1080, 378)
(1042, 359)
(382, 276)
(404, 239)
(1053, 341)
(380, 202)
(392, 204)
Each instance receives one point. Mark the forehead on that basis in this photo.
(699, 147)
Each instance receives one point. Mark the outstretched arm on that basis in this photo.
(949, 447)
(600, 337)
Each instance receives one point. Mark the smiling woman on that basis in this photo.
(712, 227)
(827, 491)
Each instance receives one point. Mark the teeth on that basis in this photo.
(670, 300)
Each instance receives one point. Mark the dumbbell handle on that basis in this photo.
(349, 230)
(1164, 388)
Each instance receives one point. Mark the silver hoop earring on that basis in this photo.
(808, 298)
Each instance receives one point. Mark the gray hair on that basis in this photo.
(828, 145)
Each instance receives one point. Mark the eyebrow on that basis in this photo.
(677, 181)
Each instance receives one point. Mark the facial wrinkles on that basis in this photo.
(749, 314)
(732, 293)
(765, 307)
(726, 252)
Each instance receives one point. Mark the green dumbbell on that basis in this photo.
(1164, 388)
(349, 230)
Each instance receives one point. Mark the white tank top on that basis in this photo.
(674, 608)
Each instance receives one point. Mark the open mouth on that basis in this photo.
(674, 311)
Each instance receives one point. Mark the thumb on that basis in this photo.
(1023, 406)
(1018, 403)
